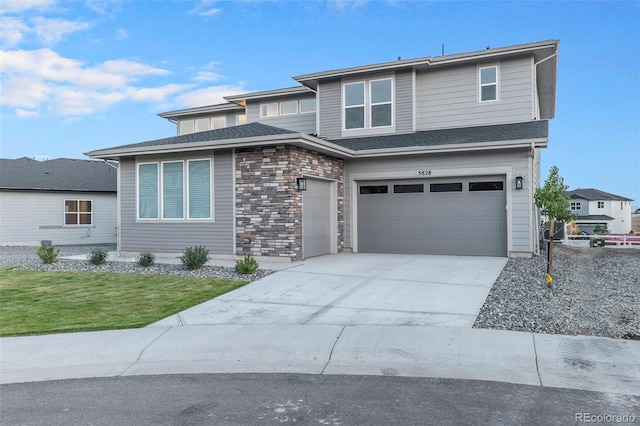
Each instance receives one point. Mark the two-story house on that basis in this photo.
(593, 207)
(435, 155)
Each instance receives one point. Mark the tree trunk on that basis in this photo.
(550, 254)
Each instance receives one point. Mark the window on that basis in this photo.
(601, 204)
(307, 106)
(241, 119)
(269, 110)
(288, 107)
(218, 122)
(408, 189)
(368, 106)
(486, 186)
(78, 212)
(374, 189)
(202, 124)
(488, 84)
(446, 187)
(380, 91)
(173, 188)
(575, 205)
(186, 127)
(354, 106)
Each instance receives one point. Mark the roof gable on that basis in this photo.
(593, 194)
(62, 174)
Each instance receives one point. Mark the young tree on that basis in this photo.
(550, 198)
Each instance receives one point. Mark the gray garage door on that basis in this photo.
(465, 216)
(316, 218)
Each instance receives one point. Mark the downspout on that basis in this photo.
(535, 229)
(118, 227)
(535, 82)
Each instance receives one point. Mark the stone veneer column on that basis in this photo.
(268, 204)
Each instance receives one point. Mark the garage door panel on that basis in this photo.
(316, 218)
(460, 222)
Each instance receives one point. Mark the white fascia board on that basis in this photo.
(463, 147)
(297, 139)
(201, 110)
(270, 94)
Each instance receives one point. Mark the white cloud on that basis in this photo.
(346, 4)
(18, 6)
(23, 113)
(43, 79)
(209, 95)
(205, 8)
(51, 31)
(12, 31)
(121, 34)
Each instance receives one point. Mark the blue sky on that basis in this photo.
(84, 75)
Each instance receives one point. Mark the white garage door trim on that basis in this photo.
(435, 173)
(333, 212)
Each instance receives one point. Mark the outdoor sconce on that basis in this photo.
(519, 180)
(302, 184)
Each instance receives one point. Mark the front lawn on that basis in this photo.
(55, 302)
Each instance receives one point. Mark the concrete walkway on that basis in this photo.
(347, 314)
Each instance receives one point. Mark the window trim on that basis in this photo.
(600, 204)
(296, 102)
(262, 112)
(367, 105)
(575, 205)
(496, 84)
(77, 213)
(185, 191)
(315, 105)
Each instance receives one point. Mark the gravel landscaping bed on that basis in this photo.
(28, 260)
(595, 292)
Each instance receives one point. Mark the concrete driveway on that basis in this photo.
(358, 289)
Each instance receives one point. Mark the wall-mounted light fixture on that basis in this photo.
(302, 184)
(519, 180)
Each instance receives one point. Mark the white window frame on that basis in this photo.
(496, 84)
(187, 198)
(296, 102)
(185, 191)
(372, 104)
(265, 110)
(310, 100)
(576, 205)
(241, 119)
(212, 120)
(77, 213)
(600, 204)
(368, 104)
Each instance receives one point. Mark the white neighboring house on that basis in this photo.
(594, 207)
(64, 201)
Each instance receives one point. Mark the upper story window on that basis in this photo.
(601, 204)
(368, 105)
(269, 110)
(488, 77)
(78, 212)
(575, 205)
(307, 106)
(201, 124)
(169, 190)
(288, 107)
(274, 109)
(241, 119)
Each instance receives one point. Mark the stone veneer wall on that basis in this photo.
(268, 204)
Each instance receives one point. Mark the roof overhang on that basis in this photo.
(242, 99)
(182, 113)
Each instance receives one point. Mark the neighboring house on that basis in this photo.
(593, 207)
(63, 201)
(436, 155)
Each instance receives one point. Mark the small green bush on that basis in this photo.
(248, 265)
(97, 256)
(146, 259)
(195, 257)
(48, 254)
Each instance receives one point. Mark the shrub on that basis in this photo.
(195, 257)
(248, 265)
(97, 256)
(146, 259)
(48, 254)
(600, 229)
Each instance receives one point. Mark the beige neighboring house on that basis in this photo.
(64, 201)
(593, 207)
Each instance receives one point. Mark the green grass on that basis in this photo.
(56, 302)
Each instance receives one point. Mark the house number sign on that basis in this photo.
(423, 173)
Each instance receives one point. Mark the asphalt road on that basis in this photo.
(264, 399)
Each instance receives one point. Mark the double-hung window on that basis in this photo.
(173, 190)
(575, 205)
(78, 212)
(368, 105)
(488, 77)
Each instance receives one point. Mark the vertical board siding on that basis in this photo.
(30, 217)
(448, 98)
(404, 102)
(330, 109)
(303, 123)
(516, 160)
(160, 236)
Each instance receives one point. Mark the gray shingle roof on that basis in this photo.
(226, 133)
(503, 132)
(62, 174)
(592, 194)
(594, 217)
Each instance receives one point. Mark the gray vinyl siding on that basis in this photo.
(448, 98)
(29, 217)
(303, 123)
(330, 96)
(161, 236)
(516, 161)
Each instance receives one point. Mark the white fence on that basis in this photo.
(609, 240)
